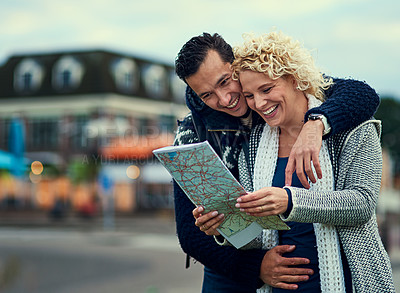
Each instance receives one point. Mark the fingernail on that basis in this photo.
(237, 205)
(214, 213)
(200, 209)
(221, 216)
(239, 200)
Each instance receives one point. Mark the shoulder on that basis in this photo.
(368, 131)
(365, 129)
(186, 132)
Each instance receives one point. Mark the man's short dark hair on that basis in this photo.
(193, 53)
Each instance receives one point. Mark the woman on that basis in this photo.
(281, 82)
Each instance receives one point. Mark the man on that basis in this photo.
(219, 114)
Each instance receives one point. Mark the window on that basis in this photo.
(76, 133)
(155, 81)
(125, 74)
(43, 134)
(67, 73)
(28, 76)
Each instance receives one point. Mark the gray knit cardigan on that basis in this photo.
(357, 162)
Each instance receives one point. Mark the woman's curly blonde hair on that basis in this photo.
(278, 55)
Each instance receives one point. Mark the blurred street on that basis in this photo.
(140, 255)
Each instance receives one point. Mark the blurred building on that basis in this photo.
(388, 209)
(91, 119)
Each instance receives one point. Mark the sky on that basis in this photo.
(357, 39)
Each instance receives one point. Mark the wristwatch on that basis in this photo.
(327, 127)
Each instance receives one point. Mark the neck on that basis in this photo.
(290, 132)
(293, 127)
(245, 115)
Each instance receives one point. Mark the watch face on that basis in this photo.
(315, 116)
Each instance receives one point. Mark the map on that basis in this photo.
(205, 179)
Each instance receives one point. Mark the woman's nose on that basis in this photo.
(259, 102)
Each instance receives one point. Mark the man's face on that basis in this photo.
(213, 83)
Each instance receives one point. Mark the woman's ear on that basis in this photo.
(294, 82)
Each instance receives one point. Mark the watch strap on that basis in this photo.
(327, 127)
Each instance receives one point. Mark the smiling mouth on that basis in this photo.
(233, 105)
(270, 110)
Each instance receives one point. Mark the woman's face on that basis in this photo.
(278, 101)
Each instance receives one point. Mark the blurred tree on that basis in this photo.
(389, 113)
(83, 170)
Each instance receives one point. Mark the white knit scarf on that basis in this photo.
(330, 264)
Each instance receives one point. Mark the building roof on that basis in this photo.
(88, 72)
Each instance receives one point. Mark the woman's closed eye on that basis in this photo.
(267, 90)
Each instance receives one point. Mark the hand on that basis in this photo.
(264, 202)
(278, 271)
(209, 222)
(305, 152)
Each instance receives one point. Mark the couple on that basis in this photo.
(272, 79)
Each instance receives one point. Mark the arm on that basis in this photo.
(304, 153)
(357, 193)
(348, 103)
(352, 204)
(225, 260)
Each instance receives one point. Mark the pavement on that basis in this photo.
(139, 221)
(152, 222)
(138, 253)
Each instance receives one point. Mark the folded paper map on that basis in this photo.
(202, 175)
